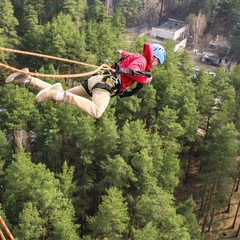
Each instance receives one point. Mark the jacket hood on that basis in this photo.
(148, 54)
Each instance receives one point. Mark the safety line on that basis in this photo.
(6, 229)
(98, 68)
(2, 236)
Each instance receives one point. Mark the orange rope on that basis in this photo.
(6, 229)
(103, 66)
(2, 236)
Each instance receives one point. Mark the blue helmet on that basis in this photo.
(159, 52)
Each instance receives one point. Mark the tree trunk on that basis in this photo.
(202, 202)
(235, 218)
(238, 181)
(211, 220)
(207, 127)
(110, 7)
(204, 223)
(201, 210)
(208, 201)
(238, 231)
(229, 201)
(172, 6)
(189, 164)
(161, 12)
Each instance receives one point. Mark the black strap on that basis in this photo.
(103, 85)
(85, 86)
(132, 92)
(134, 73)
(121, 70)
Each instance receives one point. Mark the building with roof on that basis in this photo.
(172, 29)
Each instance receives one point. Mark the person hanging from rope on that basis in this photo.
(93, 95)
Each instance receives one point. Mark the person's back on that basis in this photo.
(136, 63)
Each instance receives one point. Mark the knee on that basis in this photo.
(97, 114)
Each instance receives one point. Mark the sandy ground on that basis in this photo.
(222, 226)
(196, 61)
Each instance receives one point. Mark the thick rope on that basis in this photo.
(2, 236)
(6, 229)
(98, 68)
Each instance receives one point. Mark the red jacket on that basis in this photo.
(136, 62)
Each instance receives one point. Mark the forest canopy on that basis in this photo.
(65, 175)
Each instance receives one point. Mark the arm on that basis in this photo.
(123, 53)
(130, 93)
(135, 70)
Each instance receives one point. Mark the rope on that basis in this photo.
(2, 236)
(6, 229)
(98, 68)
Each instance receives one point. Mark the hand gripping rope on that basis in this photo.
(98, 68)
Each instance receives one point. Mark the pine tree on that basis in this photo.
(186, 209)
(127, 109)
(60, 38)
(218, 170)
(8, 33)
(149, 232)
(76, 8)
(49, 139)
(130, 11)
(18, 114)
(29, 20)
(30, 224)
(68, 187)
(170, 130)
(156, 207)
(117, 173)
(236, 84)
(33, 191)
(63, 222)
(8, 23)
(142, 165)
(133, 138)
(148, 106)
(234, 42)
(111, 221)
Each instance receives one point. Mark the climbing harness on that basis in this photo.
(110, 82)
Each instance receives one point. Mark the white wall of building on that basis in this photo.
(173, 29)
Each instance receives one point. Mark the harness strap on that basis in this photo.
(134, 73)
(121, 70)
(114, 77)
(103, 85)
(85, 86)
(132, 92)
